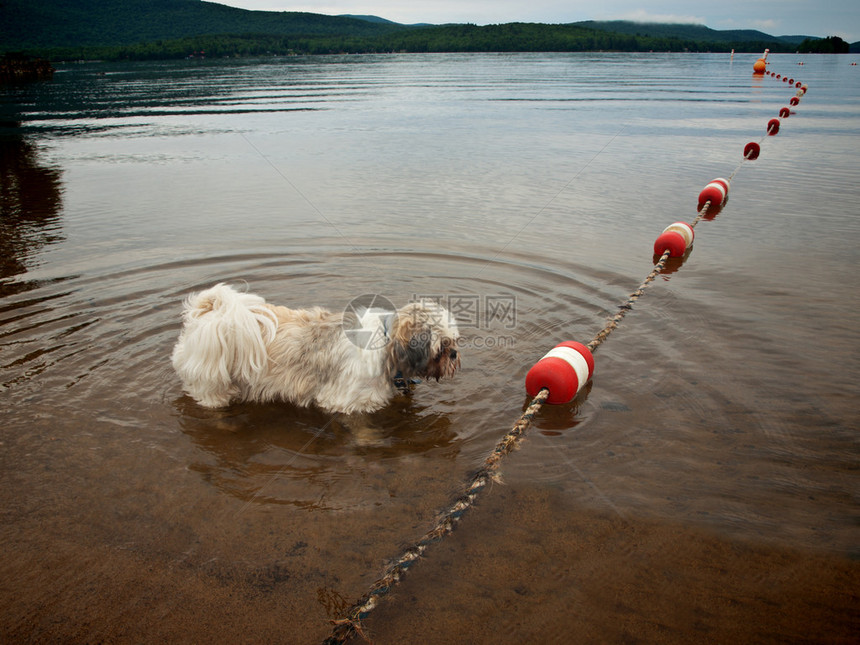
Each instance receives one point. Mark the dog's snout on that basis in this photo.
(453, 354)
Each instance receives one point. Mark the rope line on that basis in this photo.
(349, 626)
(613, 322)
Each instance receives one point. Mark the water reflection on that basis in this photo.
(673, 265)
(30, 206)
(558, 419)
(282, 454)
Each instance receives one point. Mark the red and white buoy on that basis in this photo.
(563, 371)
(676, 238)
(716, 192)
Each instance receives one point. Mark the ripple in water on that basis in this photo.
(522, 226)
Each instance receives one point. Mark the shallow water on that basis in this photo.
(705, 478)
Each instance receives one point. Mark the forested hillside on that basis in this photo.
(35, 24)
(510, 37)
(149, 29)
(697, 33)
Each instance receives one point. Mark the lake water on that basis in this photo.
(703, 488)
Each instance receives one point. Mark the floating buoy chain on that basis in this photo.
(556, 379)
(753, 149)
(350, 625)
(613, 322)
(784, 112)
(675, 241)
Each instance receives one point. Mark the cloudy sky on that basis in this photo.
(775, 17)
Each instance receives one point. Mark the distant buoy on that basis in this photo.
(759, 66)
(676, 238)
(773, 126)
(793, 100)
(784, 112)
(752, 150)
(563, 371)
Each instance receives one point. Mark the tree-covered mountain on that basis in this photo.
(535, 37)
(829, 45)
(739, 39)
(698, 33)
(35, 24)
(146, 29)
(368, 18)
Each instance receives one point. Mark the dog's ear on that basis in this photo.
(410, 346)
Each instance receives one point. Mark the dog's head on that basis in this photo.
(423, 342)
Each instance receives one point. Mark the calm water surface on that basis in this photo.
(703, 487)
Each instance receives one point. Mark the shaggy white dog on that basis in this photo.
(236, 347)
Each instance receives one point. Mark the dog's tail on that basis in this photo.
(223, 342)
